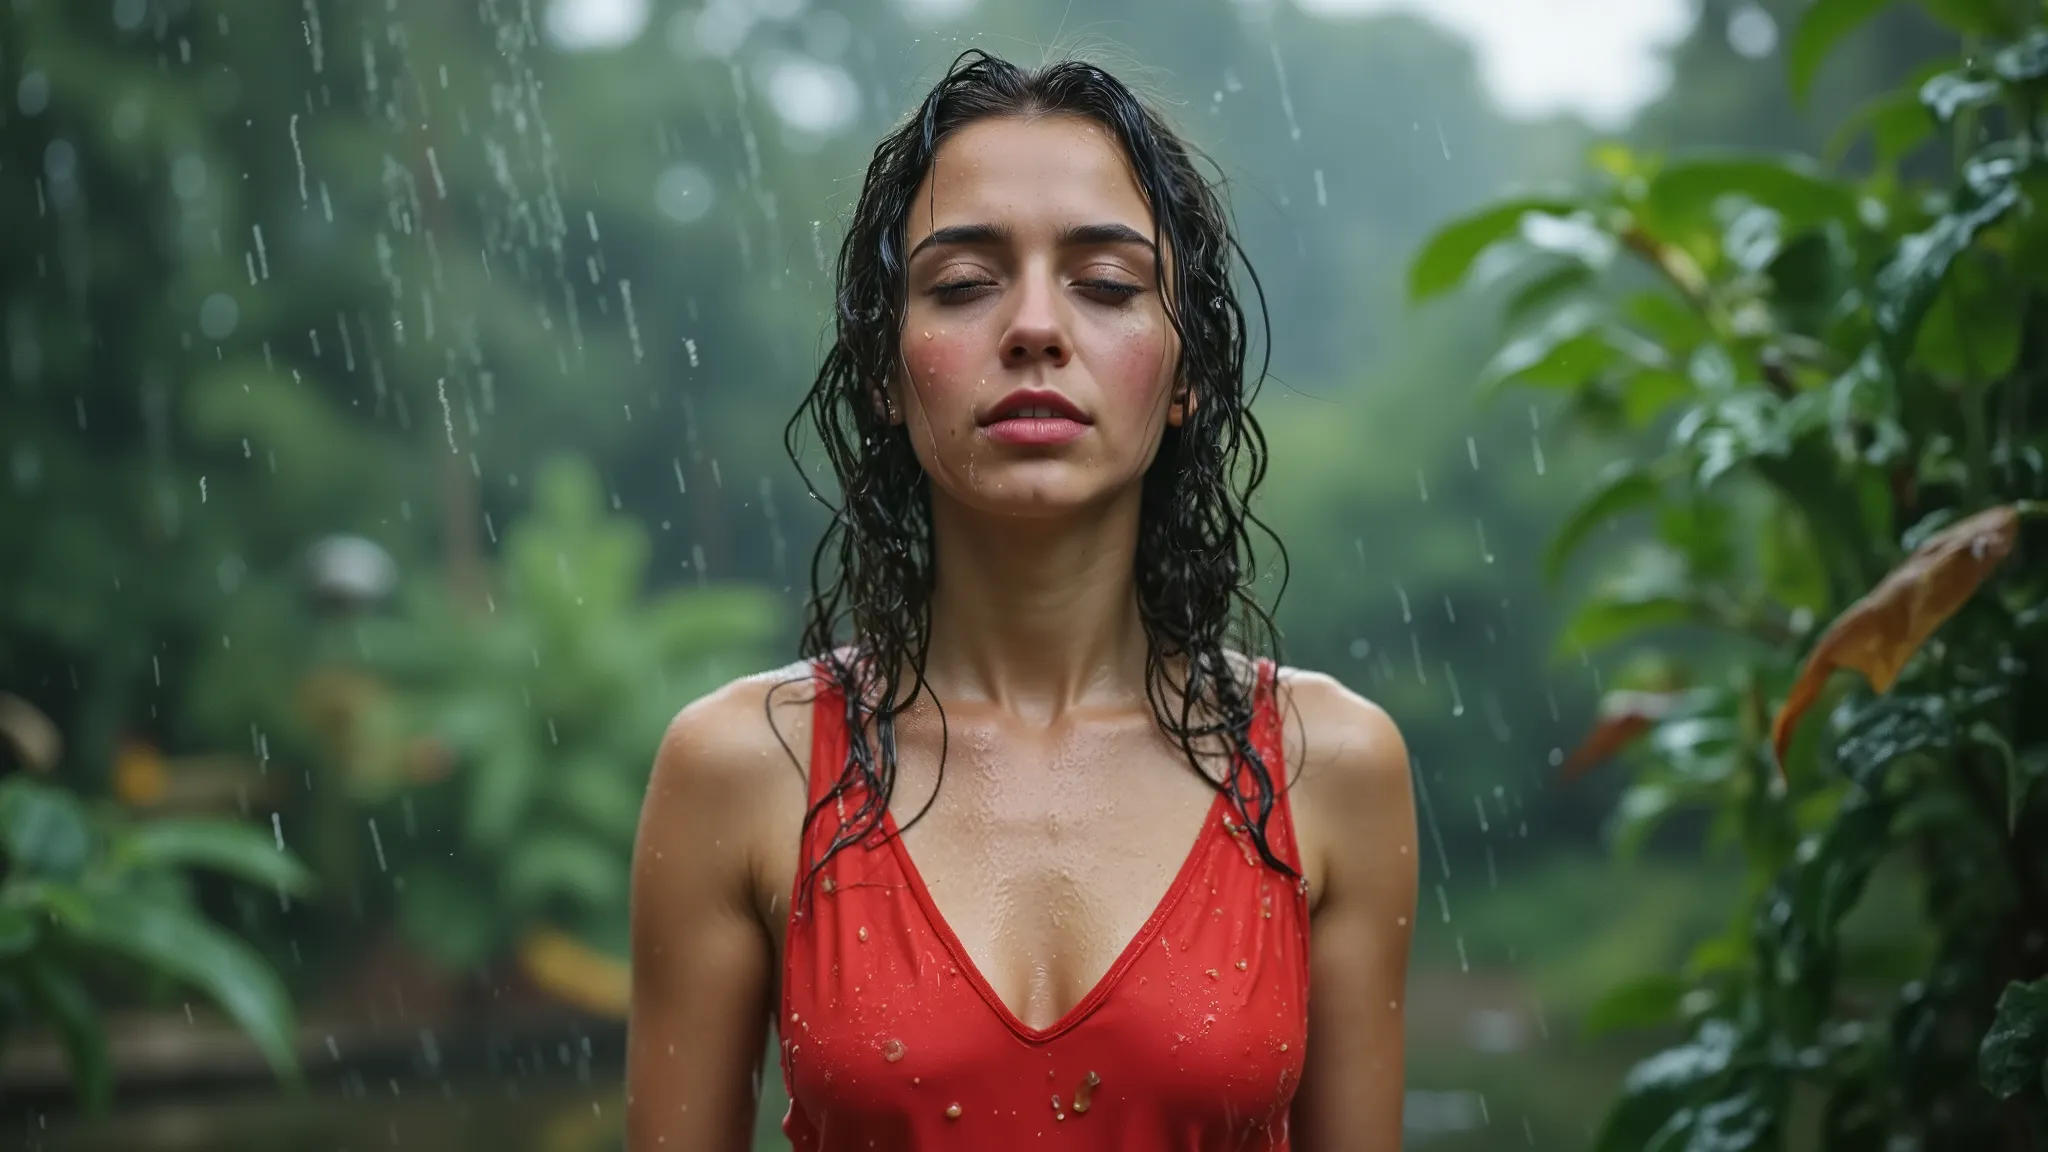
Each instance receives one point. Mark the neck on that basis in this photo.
(1036, 615)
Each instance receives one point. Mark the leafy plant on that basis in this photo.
(1832, 386)
(84, 888)
(506, 741)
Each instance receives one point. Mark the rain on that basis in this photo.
(395, 436)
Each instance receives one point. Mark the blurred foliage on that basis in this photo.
(505, 741)
(88, 892)
(1835, 383)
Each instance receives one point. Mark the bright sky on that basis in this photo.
(1594, 57)
(1597, 58)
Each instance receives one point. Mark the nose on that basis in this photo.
(1037, 330)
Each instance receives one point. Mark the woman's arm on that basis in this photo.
(1354, 787)
(703, 962)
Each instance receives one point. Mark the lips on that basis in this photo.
(1034, 416)
(1034, 404)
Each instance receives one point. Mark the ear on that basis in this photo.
(1183, 406)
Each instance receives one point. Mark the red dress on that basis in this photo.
(1193, 1040)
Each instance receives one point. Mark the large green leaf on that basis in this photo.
(1972, 330)
(1789, 184)
(61, 998)
(2010, 1060)
(236, 849)
(1907, 285)
(1449, 253)
(1621, 487)
(1573, 345)
(1896, 121)
(1949, 93)
(1823, 27)
(43, 829)
(1885, 730)
(2023, 62)
(1973, 17)
(187, 948)
(1700, 1096)
(502, 785)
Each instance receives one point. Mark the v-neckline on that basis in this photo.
(1104, 984)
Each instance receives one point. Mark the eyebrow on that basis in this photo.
(1077, 235)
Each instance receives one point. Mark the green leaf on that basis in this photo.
(1787, 183)
(1823, 27)
(1881, 732)
(2010, 1058)
(63, 1001)
(1621, 487)
(1659, 1098)
(1907, 285)
(1573, 345)
(1971, 17)
(19, 931)
(2025, 61)
(234, 849)
(1449, 253)
(1897, 122)
(43, 829)
(187, 948)
(1545, 290)
(1951, 92)
(1972, 331)
(594, 791)
(1642, 1003)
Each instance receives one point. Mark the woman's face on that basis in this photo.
(1037, 359)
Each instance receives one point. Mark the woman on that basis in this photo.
(951, 852)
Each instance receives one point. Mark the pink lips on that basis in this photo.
(1035, 417)
(1035, 430)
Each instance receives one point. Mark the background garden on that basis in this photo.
(392, 441)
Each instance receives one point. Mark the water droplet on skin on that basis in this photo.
(892, 1051)
(952, 1111)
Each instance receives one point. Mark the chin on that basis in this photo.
(1035, 490)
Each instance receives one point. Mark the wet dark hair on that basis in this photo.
(872, 574)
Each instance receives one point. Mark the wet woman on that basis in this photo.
(1035, 848)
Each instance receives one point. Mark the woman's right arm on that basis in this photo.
(703, 962)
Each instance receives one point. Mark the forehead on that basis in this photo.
(1053, 169)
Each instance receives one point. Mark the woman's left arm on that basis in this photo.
(1354, 791)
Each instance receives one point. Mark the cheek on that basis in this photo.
(941, 367)
(1134, 368)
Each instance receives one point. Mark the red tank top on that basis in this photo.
(1193, 1040)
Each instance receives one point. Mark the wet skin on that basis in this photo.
(1064, 811)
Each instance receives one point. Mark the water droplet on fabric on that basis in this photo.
(952, 1111)
(892, 1050)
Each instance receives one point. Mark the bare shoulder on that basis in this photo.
(728, 774)
(1351, 792)
(1333, 732)
(725, 737)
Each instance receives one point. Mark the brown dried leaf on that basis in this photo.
(1624, 716)
(1880, 632)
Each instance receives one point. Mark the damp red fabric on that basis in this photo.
(1191, 1042)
